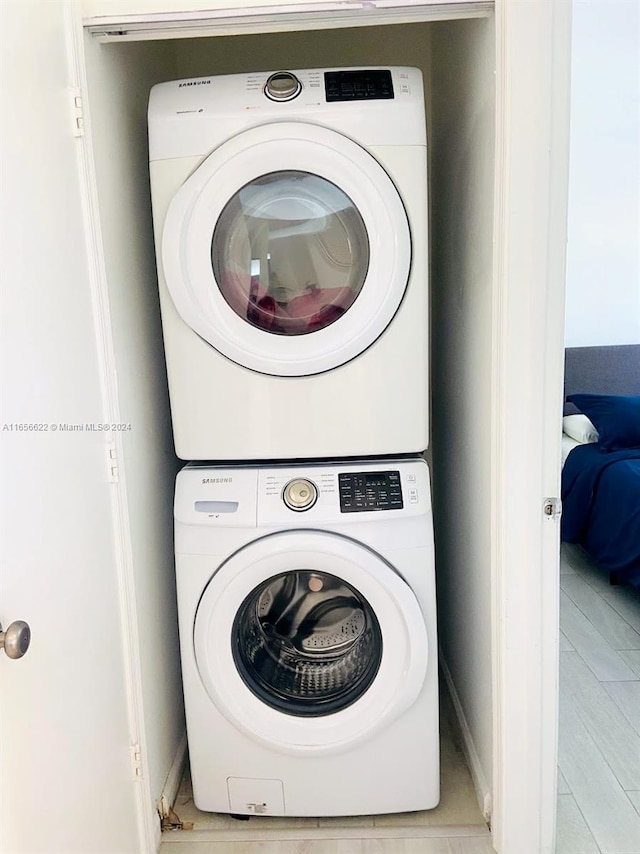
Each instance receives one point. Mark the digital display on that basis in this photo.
(364, 85)
(366, 491)
(376, 479)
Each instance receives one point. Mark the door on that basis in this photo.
(288, 249)
(65, 738)
(309, 641)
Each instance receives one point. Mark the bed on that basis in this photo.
(601, 457)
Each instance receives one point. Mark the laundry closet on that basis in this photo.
(496, 84)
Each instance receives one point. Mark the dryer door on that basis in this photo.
(309, 641)
(288, 249)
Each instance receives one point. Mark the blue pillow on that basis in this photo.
(616, 418)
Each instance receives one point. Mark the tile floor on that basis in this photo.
(456, 826)
(599, 715)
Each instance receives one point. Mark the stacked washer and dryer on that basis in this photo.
(290, 217)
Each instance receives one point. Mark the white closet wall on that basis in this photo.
(379, 45)
(462, 147)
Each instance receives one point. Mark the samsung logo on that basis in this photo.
(217, 480)
(194, 83)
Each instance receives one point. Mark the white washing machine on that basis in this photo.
(290, 217)
(308, 637)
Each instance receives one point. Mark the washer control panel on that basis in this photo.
(373, 490)
(303, 495)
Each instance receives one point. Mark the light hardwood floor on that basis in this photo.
(456, 826)
(599, 716)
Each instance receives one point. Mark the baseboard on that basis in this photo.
(483, 793)
(172, 783)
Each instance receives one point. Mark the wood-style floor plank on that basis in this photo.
(627, 697)
(609, 814)
(599, 655)
(563, 786)
(587, 568)
(564, 643)
(626, 601)
(614, 735)
(604, 720)
(617, 632)
(632, 658)
(599, 750)
(634, 797)
(576, 679)
(572, 834)
(572, 557)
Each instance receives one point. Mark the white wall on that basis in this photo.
(603, 259)
(389, 44)
(462, 145)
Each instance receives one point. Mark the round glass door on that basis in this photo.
(307, 643)
(287, 249)
(290, 252)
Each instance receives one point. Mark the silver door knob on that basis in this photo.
(15, 641)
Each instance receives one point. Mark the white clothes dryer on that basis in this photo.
(290, 218)
(308, 637)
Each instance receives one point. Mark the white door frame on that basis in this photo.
(148, 821)
(532, 172)
(531, 178)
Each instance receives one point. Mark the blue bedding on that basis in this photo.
(601, 508)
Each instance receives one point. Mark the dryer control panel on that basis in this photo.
(373, 106)
(358, 85)
(375, 84)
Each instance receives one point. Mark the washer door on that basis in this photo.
(288, 249)
(309, 641)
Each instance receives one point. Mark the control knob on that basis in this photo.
(300, 494)
(282, 86)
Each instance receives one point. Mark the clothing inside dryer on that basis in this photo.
(290, 252)
(307, 643)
